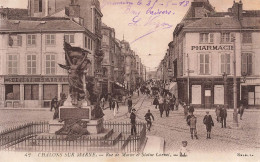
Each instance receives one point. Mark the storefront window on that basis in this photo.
(31, 92)
(50, 91)
(12, 92)
(65, 89)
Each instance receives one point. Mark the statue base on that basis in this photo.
(55, 125)
(94, 126)
(72, 112)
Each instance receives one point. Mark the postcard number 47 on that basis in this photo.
(27, 154)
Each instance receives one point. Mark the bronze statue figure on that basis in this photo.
(76, 63)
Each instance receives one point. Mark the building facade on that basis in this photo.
(210, 48)
(32, 47)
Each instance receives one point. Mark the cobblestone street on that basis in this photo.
(173, 128)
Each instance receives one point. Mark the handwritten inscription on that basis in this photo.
(148, 14)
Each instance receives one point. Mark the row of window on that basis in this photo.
(225, 61)
(31, 91)
(50, 39)
(225, 37)
(12, 64)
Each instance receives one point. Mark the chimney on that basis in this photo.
(46, 7)
(237, 10)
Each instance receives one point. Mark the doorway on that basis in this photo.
(208, 98)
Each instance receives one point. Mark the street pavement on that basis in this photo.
(173, 129)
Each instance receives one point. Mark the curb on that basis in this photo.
(154, 144)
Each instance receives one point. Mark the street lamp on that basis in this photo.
(235, 114)
(225, 89)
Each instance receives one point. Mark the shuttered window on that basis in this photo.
(225, 63)
(204, 64)
(247, 63)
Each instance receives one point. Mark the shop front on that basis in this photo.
(33, 91)
(250, 92)
(206, 92)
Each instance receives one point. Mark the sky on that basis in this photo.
(136, 21)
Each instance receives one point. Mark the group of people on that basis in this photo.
(191, 120)
(166, 103)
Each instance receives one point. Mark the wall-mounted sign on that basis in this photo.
(207, 93)
(213, 48)
(35, 79)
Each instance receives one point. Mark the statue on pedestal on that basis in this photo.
(76, 64)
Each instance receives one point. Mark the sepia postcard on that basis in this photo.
(129, 80)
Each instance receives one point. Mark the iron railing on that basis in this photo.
(34, 137)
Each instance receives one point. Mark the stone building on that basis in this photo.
(31, 45)
(205, 51)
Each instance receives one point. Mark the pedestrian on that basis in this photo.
(223, 116)
(191, 110)
(166, 107)
(185, 110)
(156, 102)
(115, 106)
(148, 119)
(109, 98)
(171, 103)
(241, 110)
(133, 122)
(138, 92)
(130, 104)
(183, 150)
(53, 102)
(161, 106)
(102, 102)
(56, 109)
(192, 121)
(176, 104)
(209, 123)
(218, 112)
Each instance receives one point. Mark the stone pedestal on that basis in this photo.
(71, 112)
(95, 126)
(55, 125)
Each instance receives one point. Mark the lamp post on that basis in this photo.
(225, 89)
(188, 80)
(235, 118)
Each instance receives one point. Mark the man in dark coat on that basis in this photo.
(133, 122)
(209, 123)
(54, 102)
(166, 107)
(148, 119)
(109, 98)
(223, 116)
(130, 104)
(161, 106)
(191, 110)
